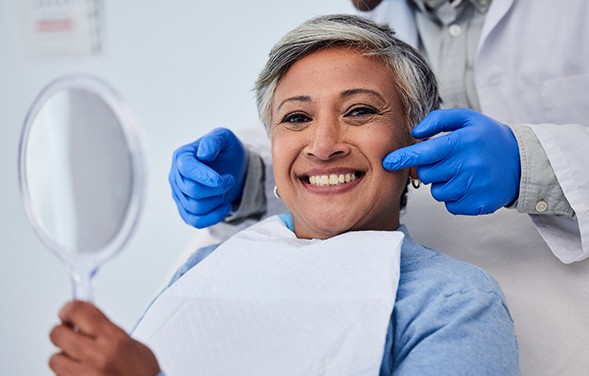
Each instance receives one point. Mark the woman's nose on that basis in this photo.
(328, 141)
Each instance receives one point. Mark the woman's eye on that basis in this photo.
(296, 118)
(361, 111)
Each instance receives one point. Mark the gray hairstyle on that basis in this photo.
(413, 77)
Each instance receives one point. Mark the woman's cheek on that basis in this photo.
(280, 161)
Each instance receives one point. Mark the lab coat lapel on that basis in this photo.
(497, 11)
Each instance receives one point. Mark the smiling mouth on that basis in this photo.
(332, 179)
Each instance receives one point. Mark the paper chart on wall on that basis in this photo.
(62, 29)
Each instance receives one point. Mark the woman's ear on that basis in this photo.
(413, 173)
(414, 178)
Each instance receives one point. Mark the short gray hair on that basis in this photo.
(413, 77)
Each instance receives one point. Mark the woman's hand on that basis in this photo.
(91, 344)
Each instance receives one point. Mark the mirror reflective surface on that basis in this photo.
(81, 174)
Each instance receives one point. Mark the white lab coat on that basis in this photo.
(532, 67)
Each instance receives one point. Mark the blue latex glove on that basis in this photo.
(207, 176)
(474, 169)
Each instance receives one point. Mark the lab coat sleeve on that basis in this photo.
(566, 149)
(253, 201)
(539, 189)
(253, 204)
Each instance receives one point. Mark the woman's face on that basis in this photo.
(335, 115)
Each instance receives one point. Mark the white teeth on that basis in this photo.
(324, 180)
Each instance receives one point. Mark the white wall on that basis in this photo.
(185, 67)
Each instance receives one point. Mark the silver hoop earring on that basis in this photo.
(415, 183)
(276, 193)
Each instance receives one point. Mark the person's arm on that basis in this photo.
(481, 166)
(539, 190)
(90, 344)
(251, 206)
(252, 203)
(565, 147)
(365, 5)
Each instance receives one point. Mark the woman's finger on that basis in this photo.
(85, 317)
(63, 365)
(75, 344)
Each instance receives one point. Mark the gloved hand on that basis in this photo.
(207, 176)
(475, 169)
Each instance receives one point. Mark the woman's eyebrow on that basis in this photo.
(351, 92)
(300, 98)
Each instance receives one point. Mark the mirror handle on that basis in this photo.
(83, 285)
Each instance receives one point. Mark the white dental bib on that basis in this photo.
(267, 303)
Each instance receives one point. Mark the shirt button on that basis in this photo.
(455, 30)
(541, 206)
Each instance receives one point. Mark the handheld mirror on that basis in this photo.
(81, 174)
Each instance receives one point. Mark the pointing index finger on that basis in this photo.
(423, 153)
(442, 121)
(213, 144)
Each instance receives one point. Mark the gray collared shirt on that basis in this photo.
(449, 36)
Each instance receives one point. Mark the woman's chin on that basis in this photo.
(323, 228)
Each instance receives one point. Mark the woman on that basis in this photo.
(338, 93)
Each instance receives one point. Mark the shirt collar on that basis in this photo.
(428, 6)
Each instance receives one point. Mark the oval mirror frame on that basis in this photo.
(135, 143)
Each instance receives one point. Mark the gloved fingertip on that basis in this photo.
(205, 152)
(391, 162)
(210, 146)
(421, 130)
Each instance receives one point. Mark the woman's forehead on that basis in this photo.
(335, 70)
